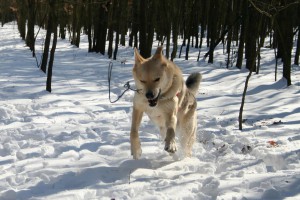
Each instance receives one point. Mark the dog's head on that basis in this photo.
(150, 75)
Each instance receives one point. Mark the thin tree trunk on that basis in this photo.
(143, 28)
(251, 47)
(51, 60)
(123, 23)
(177, 8)
(21, 19)
(243, 24)
(243, 99)
(117, 28)
(30, 26)
(213, 16)
(276, 64)
(89, 26)
(134, 23)
(111, 31)
(47, 44)
(285, 32)
(296, 61)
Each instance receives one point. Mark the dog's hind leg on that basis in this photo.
(162, 131)
(187, 139)
(187, 129)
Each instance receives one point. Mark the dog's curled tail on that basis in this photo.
(193, 82)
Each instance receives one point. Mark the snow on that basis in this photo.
(74, 144)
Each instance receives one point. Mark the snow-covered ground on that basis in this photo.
(74, 144)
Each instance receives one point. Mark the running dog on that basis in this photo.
(167, 99)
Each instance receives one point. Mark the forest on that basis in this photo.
(74, 143)
(243, 27)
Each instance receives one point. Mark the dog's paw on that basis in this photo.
(171, 146)
(136, 150)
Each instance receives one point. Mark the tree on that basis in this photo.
(21, 18)
(53, 21)
(30, 41)
(47, 42)
(133, 41)
(147, 16)
(284, 27)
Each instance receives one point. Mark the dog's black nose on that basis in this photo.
(149, 95)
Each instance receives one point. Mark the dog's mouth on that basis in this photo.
(153, 102)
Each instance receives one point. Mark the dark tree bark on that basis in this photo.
(54, 30)
(51, 60)
(102, 28)
(243, 99)
(111, 29)
(47, 44)
(251, 49)
(142, 28)
(63, 20)
(89, 25)
(244, 21)
(147, 14)
(123, 21)
(30, 26)
(189, 23)
(213, 16)
(134, 23)
(176, 13)
(117, 27)
(285, 32)
(296, 61)
(21, 18)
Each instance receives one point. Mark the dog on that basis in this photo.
(167, 99)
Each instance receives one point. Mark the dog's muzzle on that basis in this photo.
(150, 96)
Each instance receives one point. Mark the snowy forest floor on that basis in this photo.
(74, 144)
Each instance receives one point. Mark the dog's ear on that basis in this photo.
(137, 56)
(158, 54)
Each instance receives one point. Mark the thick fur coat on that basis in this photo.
(167, 99)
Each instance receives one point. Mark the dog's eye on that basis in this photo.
(143, 81)
(156, 80)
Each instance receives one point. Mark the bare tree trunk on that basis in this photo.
(47, 44)
(89, 26)
(147, 14)
(285, 32)
(117, 27)
(251, 48)
(51, 60)
(134, 23)
(176, 13)
(21, 18)
(123, 23)
(296, 61)
(30, 26)
(243, 99)
(244, 20)
(213, 16)
(111, 29)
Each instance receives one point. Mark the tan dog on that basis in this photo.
(168, 101)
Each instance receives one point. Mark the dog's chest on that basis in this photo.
(156, 115)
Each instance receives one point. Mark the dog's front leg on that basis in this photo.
(136, 150)
(170, 144)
